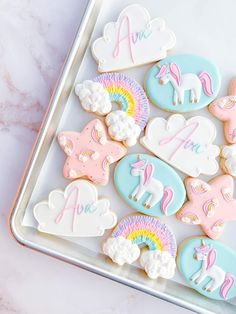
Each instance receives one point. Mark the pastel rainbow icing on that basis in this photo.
(129, 95)
(147, 230)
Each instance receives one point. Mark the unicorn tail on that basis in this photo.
(206, 83)
(167, 199)
(227, 285)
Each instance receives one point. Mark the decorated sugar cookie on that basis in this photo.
(209, 267)
(224, 109)
(185, 144)
(134, 39)
(228, 159)
(90, 153)
(210, 204)
(98, 95)
(138, 230)
(75, 212)
(182, 83)
(149, 185)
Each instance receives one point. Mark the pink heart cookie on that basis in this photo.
(210, 204)
(225, 110)
(90, 153)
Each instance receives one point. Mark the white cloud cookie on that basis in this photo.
(134, 39)
(185, 144)
(228, 161)
(75, 212)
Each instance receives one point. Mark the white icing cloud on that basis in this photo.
(229, 159)
(75, 212)
(158, 264)
(133, 40)
(93, 97)
(122, 127)
(178, 140)
(121, 250)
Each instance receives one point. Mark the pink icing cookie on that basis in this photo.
(210, 204)
(225, 110)
(90, 153)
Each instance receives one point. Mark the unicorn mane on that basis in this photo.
(211, 258)
(175, 72)
(148, 173)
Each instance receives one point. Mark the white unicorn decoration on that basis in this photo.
(148, 184)
(181, 83)
(219, 278)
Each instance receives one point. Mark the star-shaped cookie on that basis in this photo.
(224, 109)
(210, 204)
(90, 153)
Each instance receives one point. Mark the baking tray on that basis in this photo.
(44, 170)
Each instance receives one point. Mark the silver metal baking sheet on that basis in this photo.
(44, 170)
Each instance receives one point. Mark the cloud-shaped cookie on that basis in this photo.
(121, 250)
(184, 144)
(158, 264)
(133, 40)
(228, 161)
(122, 127)
(75, 212)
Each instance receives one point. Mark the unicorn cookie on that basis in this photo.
(138, 230)
(129, 41)
(90, 153)
(210, 204)
(149, 185)
(97, 96)
(209, 267)
(75, 212)
(182, 83)
(224, 109)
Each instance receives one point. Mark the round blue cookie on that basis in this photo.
(183, 83)
(209, 267)
(149, 185)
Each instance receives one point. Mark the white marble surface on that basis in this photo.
(34, 39)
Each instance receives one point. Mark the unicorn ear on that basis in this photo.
(67, 141)
(148, 173)
(175, 72)
(211, 258)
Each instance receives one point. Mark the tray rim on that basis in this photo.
(91, 7)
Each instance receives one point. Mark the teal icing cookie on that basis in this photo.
(209, 267)
(149, 185)
(183, 83)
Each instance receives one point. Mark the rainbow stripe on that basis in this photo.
(147, 230)
(129, 94)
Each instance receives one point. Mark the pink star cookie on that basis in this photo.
(90, 153)
(225, 110)
(210, 204)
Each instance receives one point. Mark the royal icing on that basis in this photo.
(75, 212)
(128, 42)
(210, 208)
(97, 96)
(225, 110)
(90, 153)
(182, 83)
(178, 140)
(228, 159)
(209, 267)
(149, 185)
(123, 245)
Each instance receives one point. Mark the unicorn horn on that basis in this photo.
(203, 243)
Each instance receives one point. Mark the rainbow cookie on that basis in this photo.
(97, 96)
(123, 245)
